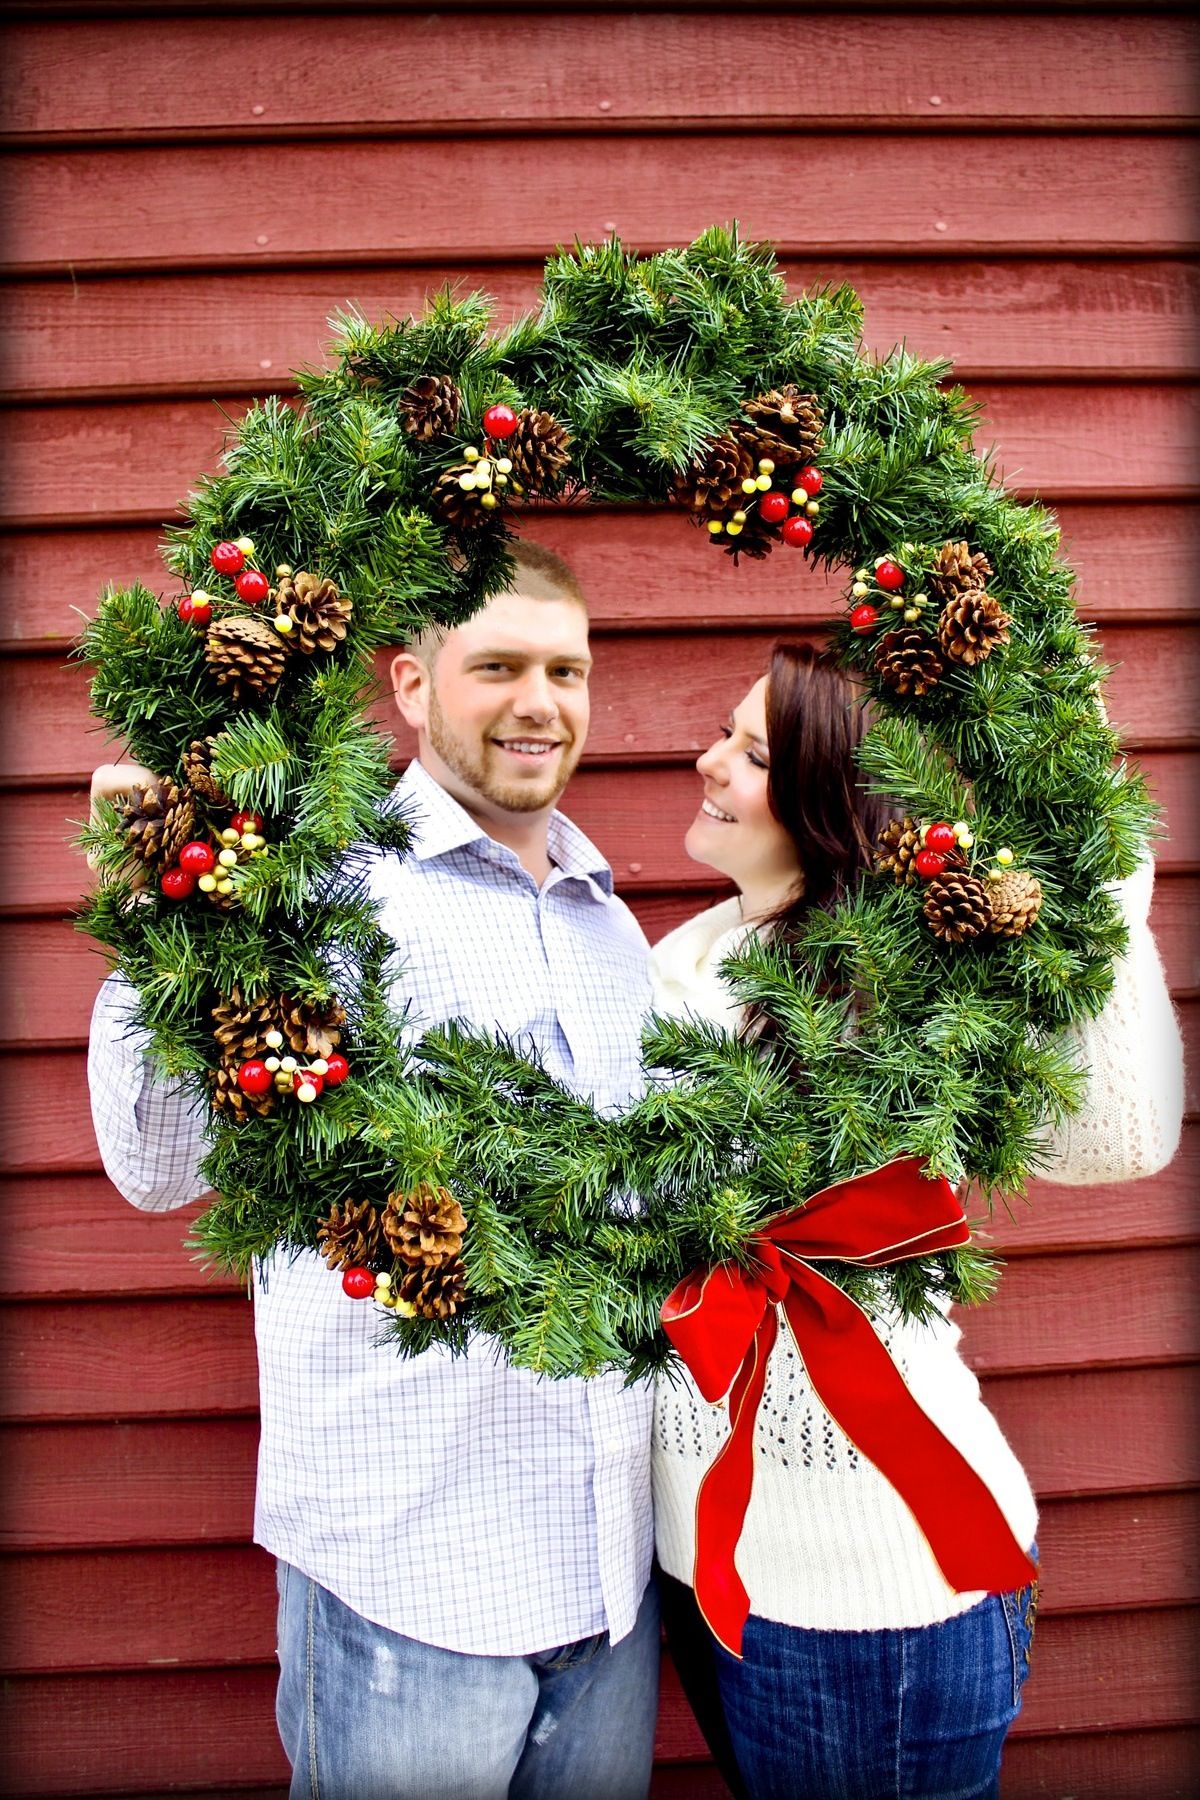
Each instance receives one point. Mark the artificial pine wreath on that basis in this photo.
(458, 1184)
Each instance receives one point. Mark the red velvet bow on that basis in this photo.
(723, 1323)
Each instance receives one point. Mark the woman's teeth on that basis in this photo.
(714, 812)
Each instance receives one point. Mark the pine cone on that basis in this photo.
(1016, 900)
(424, 1227)
(895, 848)
(319, 613)
(433, 1293)
(908, 661)
(312, 1028)
(957, 908)
(458, 506)
(246, 655)
(197, 771)
(240, 1026)
(539, 450)
(429, 407)
(756, 539)
(712, 483)
(791, 417)
(227, 1096)
(956, 568)
(972, 625)
(349, 1236)
(158, 821)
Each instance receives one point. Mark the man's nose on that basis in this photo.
(535, 698)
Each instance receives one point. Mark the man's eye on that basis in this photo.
(568, 672)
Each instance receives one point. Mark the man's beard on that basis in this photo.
(474, 764)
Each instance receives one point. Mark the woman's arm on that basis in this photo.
(1132, 1111)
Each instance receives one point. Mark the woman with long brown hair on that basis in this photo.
(864, 1676)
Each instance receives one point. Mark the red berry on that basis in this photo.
(254, 1077)
(889, 575)
(500, 421)
(177, 884)
(311, 1076)
(226, 558)
(252, 586)
(940, 838)
(862, 617)
(797, 530)
(197, 858)
(246, 821)
(186, 608)
(337, 1071)
(358, 1283)
(928, 864)
(773, 507)
(811, 480)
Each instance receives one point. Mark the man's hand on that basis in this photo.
(112, 781)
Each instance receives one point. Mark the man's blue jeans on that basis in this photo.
(366, 1714)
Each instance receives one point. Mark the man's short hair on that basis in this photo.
(538, 574)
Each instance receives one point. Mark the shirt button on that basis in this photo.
(613, 1446)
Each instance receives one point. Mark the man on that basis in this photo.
(463, 1549)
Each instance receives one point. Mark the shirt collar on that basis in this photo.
(442, 825)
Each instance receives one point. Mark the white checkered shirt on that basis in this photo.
(458, 1501)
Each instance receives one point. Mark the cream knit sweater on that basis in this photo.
(827, 1542)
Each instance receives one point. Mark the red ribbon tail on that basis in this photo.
(860, 1386)
(724, 1496)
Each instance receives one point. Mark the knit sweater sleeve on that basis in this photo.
(1132, 1112)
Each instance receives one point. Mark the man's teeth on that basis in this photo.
(714, 812)
(527, 747)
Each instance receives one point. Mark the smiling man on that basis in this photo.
(463, 1549)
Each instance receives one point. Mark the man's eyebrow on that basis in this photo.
(507, 653)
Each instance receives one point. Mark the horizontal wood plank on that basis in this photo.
(189, 1481)
(228, 334)
(204, 1607)
(56, 970)
(1102, 1674)
(79, 465)
(639, 571)
(914, 194)
(1159, 1765)
(136, 79)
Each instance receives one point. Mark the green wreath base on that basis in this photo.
(958, 1052)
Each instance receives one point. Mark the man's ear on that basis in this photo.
(411, 683)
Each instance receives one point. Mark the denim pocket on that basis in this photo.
(1020, 1614)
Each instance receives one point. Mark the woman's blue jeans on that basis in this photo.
(917, 1714)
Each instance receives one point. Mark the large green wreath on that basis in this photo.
(380, 505)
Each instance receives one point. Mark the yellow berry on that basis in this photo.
(488, 501)
(273, 1038)
(383, 1279)
(245, 545)
(812, 508)
(960, 827)
(207, 883)
(504, 465)
(733, 528)
(225, 886)
(261, 851)
(861, 574)
(470, 454)
(228, 859)
(284, 1082)
(965, 841)
(920, 599)
(750, 485)
(860, 590)
(763, 483)
(1004, 856)
(739, 518)
(282, 623)
(483, 468)
(911, 613)
(799, 496)
(229, 835)
(880, 559)
(289, 1065)
(250, 840)
(284, 569)
(466, 480)
(765, 466)
(319, 1066)
(306, 1092)
(715, 527)
(406, 1309)
(501, 479)
(272, 1063)
(896, 602)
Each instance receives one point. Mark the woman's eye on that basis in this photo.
(725, 730)
(756, 760)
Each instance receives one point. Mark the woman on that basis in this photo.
(864, 1676)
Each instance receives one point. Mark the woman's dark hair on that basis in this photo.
(816, 719)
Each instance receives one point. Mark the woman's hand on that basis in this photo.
(111, 782)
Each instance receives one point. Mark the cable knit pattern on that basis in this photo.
(827, 1543)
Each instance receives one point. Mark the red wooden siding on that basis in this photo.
(191, 189)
